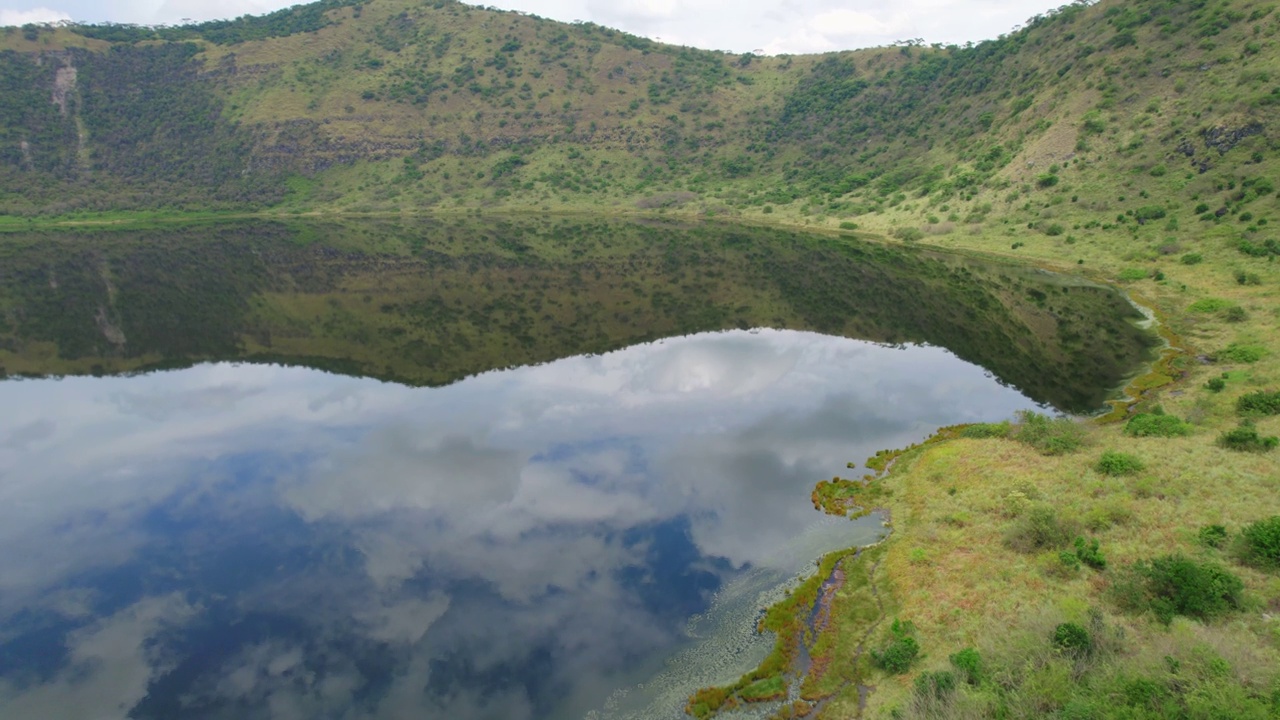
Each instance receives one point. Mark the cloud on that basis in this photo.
(112, 662)
(845, 23)
(34, 15)
(634, 10)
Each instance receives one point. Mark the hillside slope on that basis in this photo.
(394, 105)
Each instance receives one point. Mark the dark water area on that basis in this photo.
(472, 470)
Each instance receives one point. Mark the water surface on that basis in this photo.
(510, 502)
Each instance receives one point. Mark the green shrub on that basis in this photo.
(1131, 274)
(1260, 543)
(1215, 385)
(1156, 425)
(1038, 529)
(1049, 435)
(1047, 180)
(770, 688)
(1248, 278)
(1089, 553)
(1176, 585)
(1212, 536)
(1246, 439)
(1260, 402)
(1192, 259)
(1209, 305)
(908, 234)
(987, 430)
(1055, 229)
(1118, 463)
(968, 663)
(1235, 314)
(1071, 638)
(897, 657)
(1063, 565)
(937, 684)
(1241, 353)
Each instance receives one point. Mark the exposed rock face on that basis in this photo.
(64, 83)
(1223, 139)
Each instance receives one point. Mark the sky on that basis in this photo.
(768, 26)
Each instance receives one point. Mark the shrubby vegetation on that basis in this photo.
(1119, 463)
(1245, 438)
(1177, 585)
(900, 653)
(1259, 543)
(1156, 424)
(1049, 435)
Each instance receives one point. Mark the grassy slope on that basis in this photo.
(947, 567)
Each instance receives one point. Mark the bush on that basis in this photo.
(1261, 402)
(1192, 259)
(1089, 553)
(1246, 439)
(1038, 529)
(938, 684)
(968, 663)
(1049, 435)
(1241, 353)
(908, 234)
(897, 657)
(983, 431)
(1209, 305)
(1156, 425)
(847, 225)
(1071, 638)
(1260, 543)
(1235, 314)
(1132, 274)
(1176, 585)
(1118, 463)
(1215, 385)
(1212, 536)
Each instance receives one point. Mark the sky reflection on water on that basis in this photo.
(259, 541)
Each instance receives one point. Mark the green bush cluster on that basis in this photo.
(1212, 536)
(1156, 424)
(897, 657)
(1260, 543)
(983, 431)
(1089, 553)
(1246, 438)
(968, 664)
(1260, 402)
(1069, 637)
(1177, 585)
(1241, 353)
(937, 684)
(1216, 385)
(1039, 528)
(1049, 435)
(1118, 463)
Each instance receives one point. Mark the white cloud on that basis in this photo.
(641, 10)
(111, 664)
(34, 15)
(845, 23)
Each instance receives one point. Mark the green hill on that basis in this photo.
(394, 105)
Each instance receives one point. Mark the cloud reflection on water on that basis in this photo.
(510, 546)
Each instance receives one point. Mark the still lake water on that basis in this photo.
(577, 535)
